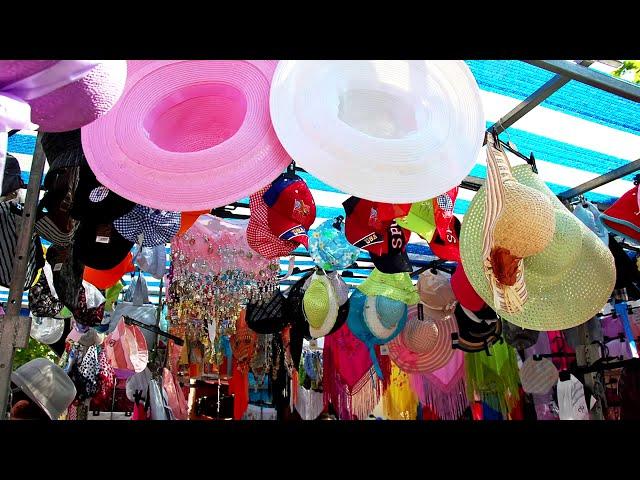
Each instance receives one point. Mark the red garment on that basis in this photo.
(477, 411)
(239, 388)
(139, 413)
(517, 412)
(428, 413)
(558, 344)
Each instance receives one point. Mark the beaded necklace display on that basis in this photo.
(213, 274)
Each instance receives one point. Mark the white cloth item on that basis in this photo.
(138, 381)
(158, 411)
(571, 401)
(395, 131)
(309, 403)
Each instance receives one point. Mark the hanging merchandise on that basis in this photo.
(378, 139)
(105, 279)
(46, 384)
(493, 378)
(571, 401)
(156, 400)
(372, 227)
(259, 236)
(420, 219)
(56, 95)
(224, 149)
(214, 273)
(397, 286)
(594, 327)
(152, 260)
(445, 241)
(320, 305)
(12, 181)
(10, 221)
(519, 338)
(126, 349)
(291, 209)
(399, 402)
(43, 298)
(424, 345)
(155, 227)
(175, 397)
(589, 214)
(627, 274)
(267, 316)
(567, 283)
(187, 219)
(46, 330)
(435, 290)
(329, 247)
(138, 382)
(90, 307)
(538, 375)
(629, 389)
(310, 400)
(464, 292)
(621, 217)
(140, 309)
(376, 321)
(508, 235)
(443, 390)
(477, 331)
(53, 219)
(349, 380)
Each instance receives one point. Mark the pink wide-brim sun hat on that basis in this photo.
(74, 105)
(188, 135)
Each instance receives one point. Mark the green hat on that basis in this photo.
(420, 219)
(111, 296)
(320, 306)
(567, 283)
(397, 286)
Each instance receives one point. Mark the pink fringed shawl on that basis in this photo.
(349, 379)
(444, 390)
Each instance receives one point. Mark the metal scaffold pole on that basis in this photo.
(14, 330)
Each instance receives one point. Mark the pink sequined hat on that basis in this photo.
(188, 135)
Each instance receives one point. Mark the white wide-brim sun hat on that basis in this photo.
(395, 131)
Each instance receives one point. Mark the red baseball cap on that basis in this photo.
(292, 209)
(367, 223)
(464, 291)
(447, 247)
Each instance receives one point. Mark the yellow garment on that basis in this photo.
(399, 402)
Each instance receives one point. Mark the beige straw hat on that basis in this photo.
(567, 283)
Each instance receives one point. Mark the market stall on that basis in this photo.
(299, 240)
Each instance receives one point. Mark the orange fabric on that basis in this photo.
(104, 279)
(187, 219)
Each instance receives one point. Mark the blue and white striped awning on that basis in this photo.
(578, 133)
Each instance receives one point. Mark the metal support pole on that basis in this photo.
(9, 325)
(601, 180)
(593, 78)
(533, 100)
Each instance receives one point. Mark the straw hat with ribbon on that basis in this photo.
(518, 222)
(567, 283)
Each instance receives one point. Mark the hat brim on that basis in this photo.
(104, 279)
(588, 283)
(101, 256)
(474, 335)
(127, 161)
(284, 226)
(432, 360)
(303, 96)
(398, 287)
